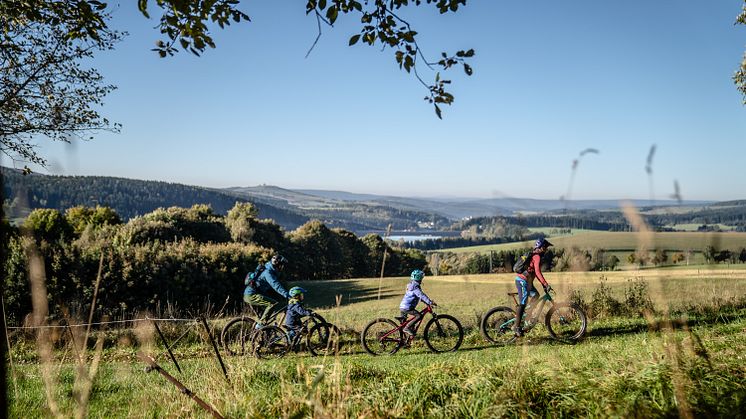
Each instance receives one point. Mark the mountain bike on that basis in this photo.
(274, 341)
(443, 333)
(236, 335)
(565, 322)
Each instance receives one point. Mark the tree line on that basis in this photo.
(189, 257)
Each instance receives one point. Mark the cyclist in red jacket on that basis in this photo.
(525, 282)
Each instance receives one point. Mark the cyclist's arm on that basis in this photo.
(536, 260)
(422, 296)
(276, 285)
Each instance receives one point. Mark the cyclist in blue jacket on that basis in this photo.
(411, 298)
(265, 289)
(295, 312)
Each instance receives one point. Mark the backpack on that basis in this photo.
(523, 262)
(252, 277)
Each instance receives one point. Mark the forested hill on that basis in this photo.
(128, 197)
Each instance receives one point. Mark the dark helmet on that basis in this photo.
(278, 261)
(542, 242)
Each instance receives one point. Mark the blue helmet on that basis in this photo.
(417, 275)
(542, 242)
(296, 291)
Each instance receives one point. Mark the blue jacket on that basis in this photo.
(413, 296)
(267, 283)
(294, 314)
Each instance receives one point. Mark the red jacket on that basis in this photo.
(534, 269)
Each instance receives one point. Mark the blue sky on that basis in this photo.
(550, 79)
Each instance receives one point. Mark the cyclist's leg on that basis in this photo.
(409, 328)
(523, 293)
(261, 301)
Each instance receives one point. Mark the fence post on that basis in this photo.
(165, 343)
(215, 347)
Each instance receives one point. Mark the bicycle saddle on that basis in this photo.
(512, 293)
(401, 318)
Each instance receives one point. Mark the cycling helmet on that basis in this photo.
(296, 291)
(542, 242)
(278, 261)
(417, 275)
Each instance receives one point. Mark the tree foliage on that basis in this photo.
(47, 90)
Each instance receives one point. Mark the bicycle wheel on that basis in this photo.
(443, 333)
(566, 322)
(382, 336)
(236, 335)
(270, 342)
(323, 339)
(497, 325)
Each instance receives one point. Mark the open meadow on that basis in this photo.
(627, 241)
(685, 357)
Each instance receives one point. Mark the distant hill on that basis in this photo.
(457, 208)
(128, 197)
(355, 212)
(356, 215)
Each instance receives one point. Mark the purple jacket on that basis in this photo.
(413, 296)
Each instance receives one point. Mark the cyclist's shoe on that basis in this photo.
(518, 332)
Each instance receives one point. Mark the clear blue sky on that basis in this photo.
(550, 79)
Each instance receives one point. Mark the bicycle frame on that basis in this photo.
(531, 317)
(405, 323)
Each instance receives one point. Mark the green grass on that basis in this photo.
(628, 241)
(627, 366)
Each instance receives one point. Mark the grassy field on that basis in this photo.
(628, 241)
(627, 366)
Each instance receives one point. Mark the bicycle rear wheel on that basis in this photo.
(382, 336)
(566, 322)
(497, 325)
(443, 333)
(323, 339)
(236, 335)
(270, 342)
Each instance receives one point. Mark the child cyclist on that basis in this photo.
(295, 311)
(411, 298)
(525, 281)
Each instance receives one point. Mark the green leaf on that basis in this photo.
(322, 4)
(468, 70)
(143, 6)
(354, 39)
(331, 14)
(437, 112)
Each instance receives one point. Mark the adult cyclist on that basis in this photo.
(525, 281)
(266, 288)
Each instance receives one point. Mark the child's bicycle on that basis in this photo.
(236, 335)
(443, 333)
(565, 322)
(274, 341)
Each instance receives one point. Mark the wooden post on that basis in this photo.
(215, 347)
(153, 366)
(165, 343)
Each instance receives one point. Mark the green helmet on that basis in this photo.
(417, 275)
(296, 291)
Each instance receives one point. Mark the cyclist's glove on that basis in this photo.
(548, 288)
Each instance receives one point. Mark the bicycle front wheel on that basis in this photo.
(270, 342)
(443, 333)
(497, 325)
(323, 339)
(382, 336)
(566, 322)
(236, 335)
